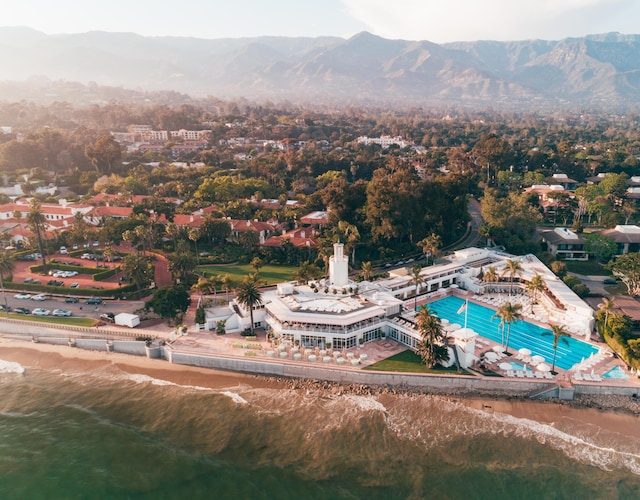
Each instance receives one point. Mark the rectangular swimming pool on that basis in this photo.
(523, 334)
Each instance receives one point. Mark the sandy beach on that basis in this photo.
(615, 414)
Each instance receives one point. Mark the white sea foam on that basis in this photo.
(584, 448)
(146, 379)
(366, 403)
(10, 367)
(235, 397)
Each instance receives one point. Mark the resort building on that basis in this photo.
(564, 243)
(339, 313)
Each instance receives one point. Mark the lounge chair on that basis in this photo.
(548, 375)
(510, 373)
(528, 374)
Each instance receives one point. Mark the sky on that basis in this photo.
(433, 20)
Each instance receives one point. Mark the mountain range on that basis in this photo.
(596, 71)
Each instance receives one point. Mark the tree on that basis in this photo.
(139, 269)
(7, 266)
(37, 221)
(607, 306)
(431, 347)
(249, 239)
(491, 275)
(512, 269)
(226, 283)
(170, 303)
(105, 153)
(430, 246)
(367, 271)
(601, 247)
(221, 327)
(256, 263)
(508, 313)
(559, 333)
(182, 264)
(417, 280)
(627, 268)
(194, 234)
(249, 295)
(535, 285)
(352, 235)
(204, 286)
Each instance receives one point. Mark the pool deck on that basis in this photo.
(591, 371)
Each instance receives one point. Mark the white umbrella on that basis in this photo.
(491, 356)
(497, 348)
(543, 367)
(537, 359)
(505, 366)
(524, 351)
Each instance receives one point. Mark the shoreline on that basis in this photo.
(618, 414)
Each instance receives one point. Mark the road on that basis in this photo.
(473, 236)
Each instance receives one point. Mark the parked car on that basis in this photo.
(86, 256)
(52, 282)
(72, 300)
(22, 310)
(610, 281)
(108, 316)
(39, 311)
(61, 312)
(36, 281)
(27, 280)
(94, 301)
(22, 296)
(63, 251)
(40, 297)
(4, 308)
(74, 284)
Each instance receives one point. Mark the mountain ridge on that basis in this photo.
(601, 70)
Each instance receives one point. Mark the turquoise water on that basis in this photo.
(523, 334)
(616, 372)
(517, 366)
(106, 434)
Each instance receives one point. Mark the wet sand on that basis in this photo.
(614, 414)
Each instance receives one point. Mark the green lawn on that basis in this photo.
(56, 320)
(408, 361)
(587, 268)
(269, 274)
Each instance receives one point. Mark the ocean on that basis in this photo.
(105, 433)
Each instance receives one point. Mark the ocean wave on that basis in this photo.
(585, 448)
(366, 403)
(10, 367)
(146, 379)
(236, 398)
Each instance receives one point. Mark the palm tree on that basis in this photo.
(558, 333)
(535, 285)
(139, 268)
(194, 235)
(512, 269)
(6, 267)
(352, 235)
(204, 286)
(182, 264)
(508, 313)
(430, 246)
(367, 271)
(37, 220)
(607, 306)
(249, 295)
(417, 280)
(256, 263)
(303, 274)
(226, 283)
(431, 346)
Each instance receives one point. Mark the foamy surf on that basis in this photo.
(146, 379)
(10, 367)
(236, 398)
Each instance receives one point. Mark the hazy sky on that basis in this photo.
(433, 20)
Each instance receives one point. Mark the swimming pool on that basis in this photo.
(523, 334)
(616, 372)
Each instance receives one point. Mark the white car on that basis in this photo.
(22, 296)
(41, 312)
(40, 297)
(61, 312)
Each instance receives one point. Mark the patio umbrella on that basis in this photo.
(505, 366)
(537, 359)
(543, 367)
(491, 357)
(524, 351)
(497, 348)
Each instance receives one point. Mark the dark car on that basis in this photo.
(4, 308)
(110, 317)
(52, 282)
(94, 301)
(610, 281)
(22, 310)
(71, 300)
